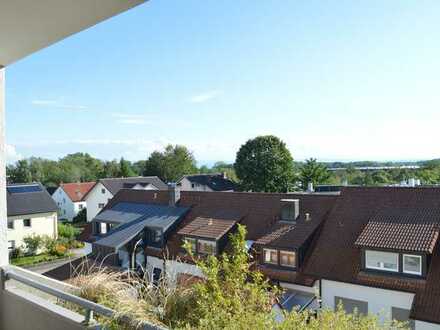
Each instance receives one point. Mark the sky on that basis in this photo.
(335, 80)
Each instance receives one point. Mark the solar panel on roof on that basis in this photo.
(24, 189)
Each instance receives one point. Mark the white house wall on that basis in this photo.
(186, 185)
(380, 301)
(41, 224)
(173, 268)
(96, 197)
(67, 209)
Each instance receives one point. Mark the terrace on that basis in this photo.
(27, 27)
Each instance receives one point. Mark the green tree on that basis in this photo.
(20, 173)
(264, 164)
(125, 169)
(313, 172)
(171, 164)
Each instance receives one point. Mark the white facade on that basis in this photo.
(4, 256)
(172, 268)
(380, 301)
(186, 185)
(96, 199)
(31, 224)
(67, 209)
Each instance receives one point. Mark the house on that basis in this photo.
(205, 223)
(378, 252)
(69, 198)
(31, 211)
(206, 182)
(105, 189)
(370, 249)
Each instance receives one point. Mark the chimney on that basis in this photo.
(289, 209)
(174, 194)
(310, 188)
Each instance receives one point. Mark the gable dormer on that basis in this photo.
(399, 247)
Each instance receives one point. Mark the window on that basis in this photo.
(288, 258)
(101, 205)
(10, 224)
(103, 191)
(206, 247)
(64, 200)
(382, 260)
(350, 305)
(271, 256)
(81, 206)
(27, 223)
(11, 245)
(192, 242)
(412, 264)
(192, 185)
(156, 236)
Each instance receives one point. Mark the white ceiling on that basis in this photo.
(27, 26)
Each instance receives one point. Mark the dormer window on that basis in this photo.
(281, 258)
(271, 256)
(380, 260)
(412, 264)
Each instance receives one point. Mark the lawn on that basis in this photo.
(31, 260)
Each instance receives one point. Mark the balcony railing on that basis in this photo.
(59, 290)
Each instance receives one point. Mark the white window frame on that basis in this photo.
(287, 252)
(270, 251)
(102, 190)
(382, 268)
(101, 205)
(12, 222)
(11, 245)
(409, 271)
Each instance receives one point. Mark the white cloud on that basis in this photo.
(53, 104)
(205, 97)
(11, 154)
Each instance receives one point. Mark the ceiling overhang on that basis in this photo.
(27, 26)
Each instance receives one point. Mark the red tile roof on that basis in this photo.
(77, 191)
(208, 227)
(416, 237)
(337, 257)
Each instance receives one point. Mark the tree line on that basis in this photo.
(263, 164)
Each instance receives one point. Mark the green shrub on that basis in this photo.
(67, 231)
(33, 243)
(81, 217)
(16, 253)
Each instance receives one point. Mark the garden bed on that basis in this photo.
(33, 260)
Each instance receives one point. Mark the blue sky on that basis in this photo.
(339, 80)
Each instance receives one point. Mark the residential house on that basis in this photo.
(206, 223)
(105, 189)
(70, 198)
(31, 211)
(206, 182)
(378, 252)
(370, 249)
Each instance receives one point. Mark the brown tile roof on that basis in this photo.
(77, 191)
(336, 257)
(417, 237)
(208, 227)
(278, 230)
